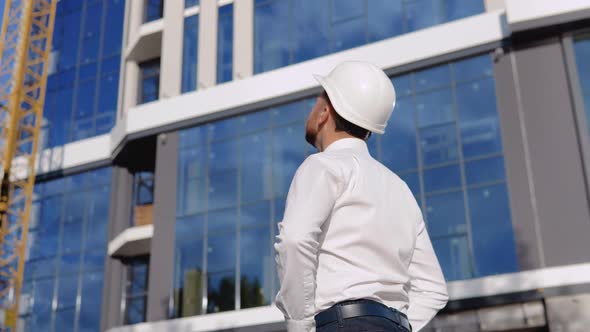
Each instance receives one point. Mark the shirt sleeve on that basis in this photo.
(428, 290)
(312, 195)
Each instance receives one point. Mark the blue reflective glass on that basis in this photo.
(442, 178)
(292, 112)
(398, 144)
(454, 258)
(404, 86)
(288, 152)
(485, 170)
(153, 9)
(223, 190)
(254, 122)
(439, 144)
(107, 100)
(224, 220)
(456, 9)
(87, 72)
(221, 291)
(113, 31)
(473, 68)
(67, 290)
(412, 179)
(348, 34)
(192, 196)
(135, 310)
(91, 295)
(478, 118)
(69, 263)
(94, 260)
(190, 3)
(91, 37)
(255, 266)
(432, 78)
(223, 156)
(150, 81)
(422, 14)
(385, 18)
(69, 51)
(43, 297)
(65, 320)
(255, 214)
(225, 38)
(189, 53)
(255, 158)
(221, 253)
(310, 29)
(71, 237)
(493, 239)
(446, 214)
(192, 227)
(188, 263)
(346, 9)
(85, 100)
(271, 25)
(582, 52)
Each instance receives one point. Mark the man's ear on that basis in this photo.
(324, 115)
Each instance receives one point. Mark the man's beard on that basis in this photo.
(310, 137)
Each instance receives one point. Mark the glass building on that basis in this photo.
(172, 130)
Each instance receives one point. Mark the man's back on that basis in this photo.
(367, 243)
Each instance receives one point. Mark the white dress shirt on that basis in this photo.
(353, 230)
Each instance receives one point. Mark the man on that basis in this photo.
(353, 253)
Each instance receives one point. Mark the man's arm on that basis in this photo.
(428, 291)
(311, 198)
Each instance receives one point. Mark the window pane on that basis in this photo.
(154, 9)
(223, 190)
(446, 214)
(113, 31)
(348, 34)
(221, 292)
(91, 39)
(189, 53)
(456, 9)
(256, 269)
(188, 291)
(43, 297)
(288, 152)
(222, 220)
(255, 214)
(480, 128)
(225, 38)
(398, 144)
(493, 238)
(255, 158)
(474, 68)
(65, 320)
(221, 253)
(385, 19)
(485, 170)
(582, 51)
(271, 25)
(67, 290)
(69, 264)
(442, 178)
(453, 255)
(424, 13)
(71, 236)
(92, 284)
(135, 310)
(190, 3)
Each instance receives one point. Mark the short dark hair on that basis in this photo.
(344, 125)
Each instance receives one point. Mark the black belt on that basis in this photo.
(352, 309)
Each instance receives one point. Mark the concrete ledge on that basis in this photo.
(530, 14)
(133, 241)
(148, 42)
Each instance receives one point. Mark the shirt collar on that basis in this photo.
(348, 143)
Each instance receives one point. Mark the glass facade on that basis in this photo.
(154, 9)
(189, 53)
(582, 51)
(225, 38)
(67, 242)
(136, 290)
(443, 140)
(150, 81)
(82, 85)
(191, 3)
(291, 31)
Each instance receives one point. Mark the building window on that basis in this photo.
(291, 31)
(136, 290)
(234, 175)
(190, 3)
(154, 10)
(82, 88)
(143, 199)
(225, 37)
(67, 247)
(190, 53)
(150, 81)
(582, 52)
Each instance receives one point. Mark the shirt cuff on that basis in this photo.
(300, 325)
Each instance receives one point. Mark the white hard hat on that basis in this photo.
(360, 93)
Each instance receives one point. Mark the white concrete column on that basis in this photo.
(129, 70)
(207, 64)
(492, 5)
(243, 65)
(171, 54)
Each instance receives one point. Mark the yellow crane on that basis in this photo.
(25, 44)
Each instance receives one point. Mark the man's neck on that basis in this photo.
(331, 138)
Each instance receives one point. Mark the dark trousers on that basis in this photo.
(362, 324)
